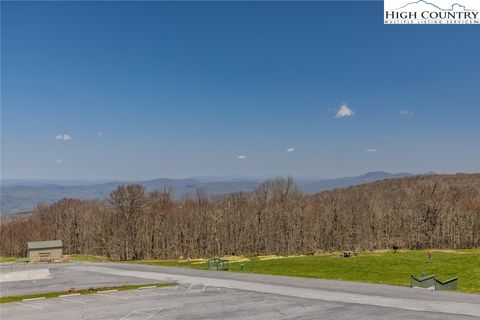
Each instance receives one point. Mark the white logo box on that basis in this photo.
(431, 12)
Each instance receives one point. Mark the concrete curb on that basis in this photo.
(107, 291)
(33, 299)
(69, 295)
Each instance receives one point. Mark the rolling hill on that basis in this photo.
(20, 196)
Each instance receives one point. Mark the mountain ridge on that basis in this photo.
(24, 197)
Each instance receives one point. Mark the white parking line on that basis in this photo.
(154, 313)
(33, 299)
(30, 306)
(68, 300)
(197, 290)
(146, 287)
(154, 294)
(69, 295)
(106, 291)
(109, 296)
(143, 311)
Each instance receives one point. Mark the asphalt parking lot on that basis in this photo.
(61, 278)
(196, 302)
(224, 295)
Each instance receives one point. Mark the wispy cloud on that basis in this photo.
(344, 111)
(372, 150)
(405, 113)
(290, 150)
(103, 134)
(63, 137)
(58, 161)
(242, 157)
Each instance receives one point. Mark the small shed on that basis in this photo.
(45, 250)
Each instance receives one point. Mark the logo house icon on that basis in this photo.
(431, 12)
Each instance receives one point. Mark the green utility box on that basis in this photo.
(450, 284)
(432, 282)
(217, 264)
(422, 282)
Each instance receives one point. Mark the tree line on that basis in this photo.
(439, 211)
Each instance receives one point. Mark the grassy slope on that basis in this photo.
(8, 259)
(88, 258)
(375, 267)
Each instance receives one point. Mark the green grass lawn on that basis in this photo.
(374, 267)
(8, 259)
(86, 291)
(88, 258)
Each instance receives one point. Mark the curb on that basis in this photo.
(107, 291)
(69, 295)
(33, 299)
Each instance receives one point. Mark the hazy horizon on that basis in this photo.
(222, 178)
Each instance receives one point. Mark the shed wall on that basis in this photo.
(45, 254)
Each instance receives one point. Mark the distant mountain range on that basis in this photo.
(23, 195)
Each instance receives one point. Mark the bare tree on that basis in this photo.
(440, 211)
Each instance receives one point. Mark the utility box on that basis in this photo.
(423, 282)
(432, 283)
(217, 264)
(450, 284)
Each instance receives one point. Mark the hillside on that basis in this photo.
(438, 211)
(19, 196)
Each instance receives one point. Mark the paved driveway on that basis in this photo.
(216, 295)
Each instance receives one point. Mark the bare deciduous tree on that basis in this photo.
(277, 218)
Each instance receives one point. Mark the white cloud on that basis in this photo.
(63, 137)
(405, 113)
(103, 134)
(59, 161)
(242, 157)
(372, 150)
(344, 111)
(290, 150)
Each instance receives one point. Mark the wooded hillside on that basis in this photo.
(440, 211)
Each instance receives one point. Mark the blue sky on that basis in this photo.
(120, 90)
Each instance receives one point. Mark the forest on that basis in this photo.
(436, 211)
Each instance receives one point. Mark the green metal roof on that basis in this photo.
(45, 244)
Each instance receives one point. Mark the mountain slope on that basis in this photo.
(24, 197)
